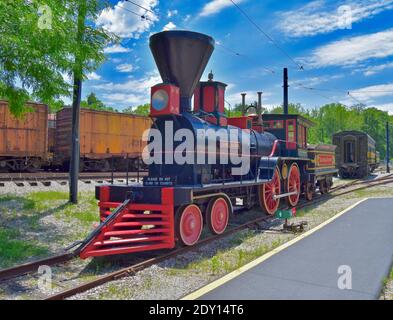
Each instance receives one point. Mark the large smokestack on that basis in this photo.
(181, 58)
(285, 105)
(243, 103)
(259, 107)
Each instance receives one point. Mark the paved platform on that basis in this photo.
(307, 268)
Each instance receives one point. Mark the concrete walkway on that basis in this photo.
(356, 248)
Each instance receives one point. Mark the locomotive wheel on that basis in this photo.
(309, 192)
(217, 215)
(293, 184)
(323, 187)
(189, 224)
(266, 194)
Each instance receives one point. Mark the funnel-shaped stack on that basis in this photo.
(181, 58)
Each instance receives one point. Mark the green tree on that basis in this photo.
(374, 123)
(293, 108)
(141, 110)
(40, 44)
(33, 52)
(92, 102)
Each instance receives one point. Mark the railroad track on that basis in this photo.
(64, 176)
(133, 269)
(359, 181)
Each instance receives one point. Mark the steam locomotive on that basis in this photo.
(178, 198)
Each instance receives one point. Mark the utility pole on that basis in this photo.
(77, 92)
(387, 148)
(285, 86)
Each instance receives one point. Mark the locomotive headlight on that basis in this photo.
(159, 100)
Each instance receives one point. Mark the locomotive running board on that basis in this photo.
(132, 227)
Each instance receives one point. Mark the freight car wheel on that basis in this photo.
(189, 224)
(266, 194)
(105, 166)
(293, 184)
(217, 215)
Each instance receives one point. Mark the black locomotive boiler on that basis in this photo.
(176, 200)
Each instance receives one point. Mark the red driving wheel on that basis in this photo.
(267, 191)
(189, 224)
(293, 184)
(217, 217)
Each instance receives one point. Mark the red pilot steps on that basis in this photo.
(132, 227)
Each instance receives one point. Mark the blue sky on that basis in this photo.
(343, 46)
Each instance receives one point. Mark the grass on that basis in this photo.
(46, 216)
(225, 261)
(13, 250)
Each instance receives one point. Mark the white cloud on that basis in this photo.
(125, 67)
(93, 76)
(318, 17)
(172, 13)
(215, 6)
(370, 93)
(314, 81)
(125, 24)
(368, 71)
(384, 107)
(131, 92)
(350, 51)
(117, 48)
(169, 26)
(124, 99)
(67, 77)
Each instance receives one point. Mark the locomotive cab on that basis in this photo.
(291, 130)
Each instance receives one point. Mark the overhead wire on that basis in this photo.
(142, 16)
(301, 67)
(140, 6)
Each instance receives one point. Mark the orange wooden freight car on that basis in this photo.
(24, 141)
(104, 137)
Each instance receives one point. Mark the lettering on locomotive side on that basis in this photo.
(325, 160)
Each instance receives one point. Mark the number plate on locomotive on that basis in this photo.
(159, 181)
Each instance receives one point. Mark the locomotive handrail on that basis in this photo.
(276, 143)
(107, 221)
(275, 147)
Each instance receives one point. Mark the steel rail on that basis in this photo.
(33, 266)
(45, 176)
